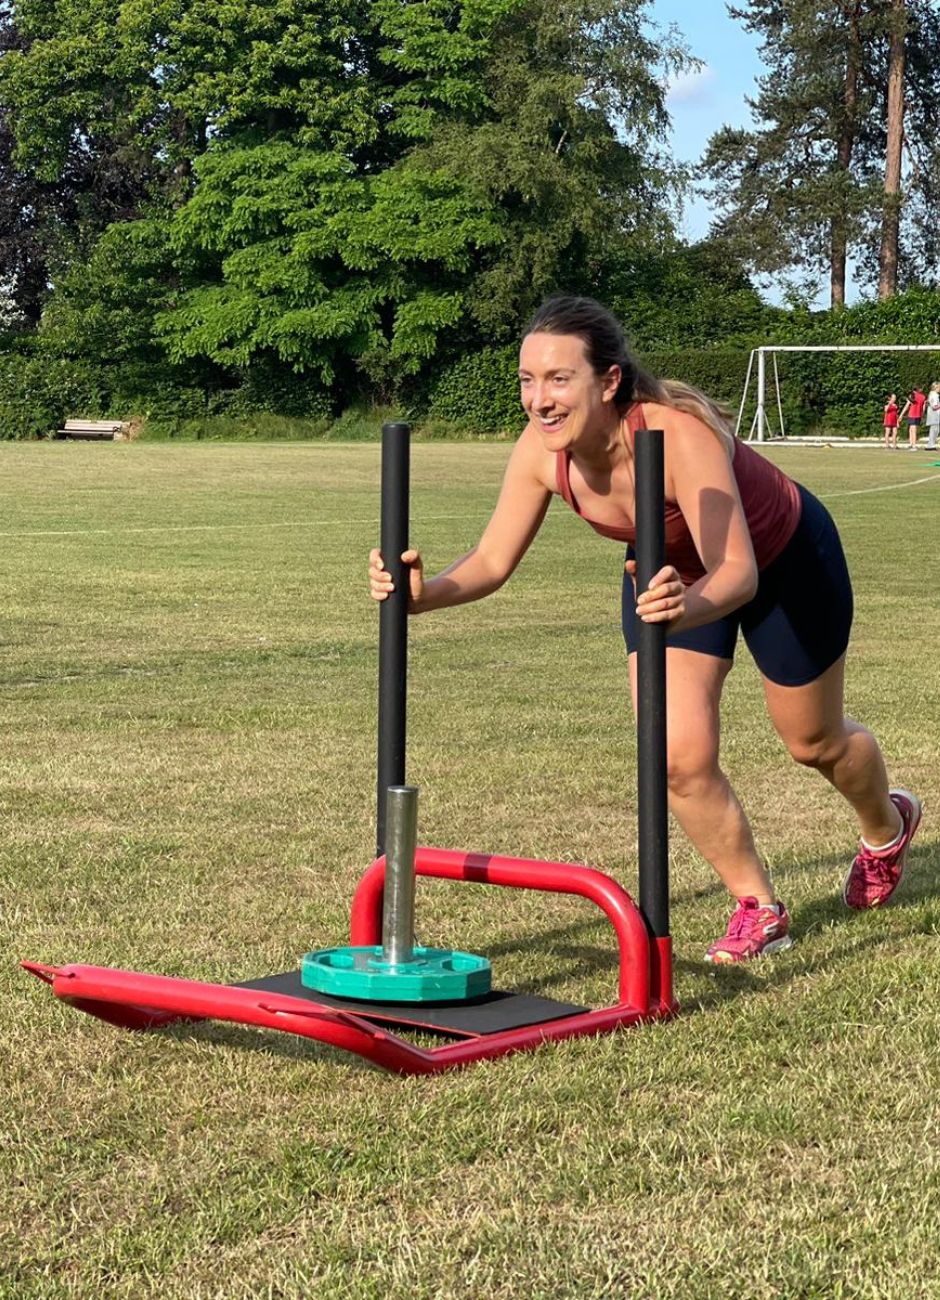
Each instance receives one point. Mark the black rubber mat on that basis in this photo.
(490, 1014)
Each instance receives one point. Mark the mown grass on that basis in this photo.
(187, 682)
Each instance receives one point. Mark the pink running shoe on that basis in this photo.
(876, 873)
(755, 930)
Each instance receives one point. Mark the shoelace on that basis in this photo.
(874, 867)
(739, 921)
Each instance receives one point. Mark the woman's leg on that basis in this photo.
(811, 722)
(700, 797)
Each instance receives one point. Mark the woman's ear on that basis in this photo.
(612, 383)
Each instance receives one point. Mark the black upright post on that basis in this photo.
(651, 689)
(393, 619)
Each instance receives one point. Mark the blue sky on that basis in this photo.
(701, 103)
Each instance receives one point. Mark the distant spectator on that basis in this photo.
(933, 416)
(913, 408)
(891, 422)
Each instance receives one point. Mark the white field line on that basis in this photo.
(332, 523)
(884, 487)
(373, 520)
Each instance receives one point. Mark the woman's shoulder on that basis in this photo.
(657, 415)
(683, 429)
(530, 452)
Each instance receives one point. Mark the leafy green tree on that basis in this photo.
(314, 235)
(345, 189)
(522, 129)
(689, 297)
(567, 153)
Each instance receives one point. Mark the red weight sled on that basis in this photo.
(484, 1028)
(495, 1023)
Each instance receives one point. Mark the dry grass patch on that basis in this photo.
(187, 683)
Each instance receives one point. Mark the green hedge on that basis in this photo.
(479, 393)
(840, 393)
(476, 394)
(37, 393)
(843, 392)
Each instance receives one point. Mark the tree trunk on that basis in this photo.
(839, 232)
(890, 226)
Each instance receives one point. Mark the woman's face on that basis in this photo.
(561, 394)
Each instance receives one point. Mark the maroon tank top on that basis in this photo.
(771, 504)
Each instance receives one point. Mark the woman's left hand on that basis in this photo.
(664, 599)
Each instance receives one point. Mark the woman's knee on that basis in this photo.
(816, 749)
(691, 768)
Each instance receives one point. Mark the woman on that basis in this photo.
(913, 408)
(745, 547)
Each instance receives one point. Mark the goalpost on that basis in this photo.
(761, 424)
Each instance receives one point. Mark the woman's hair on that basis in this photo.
(605, 345)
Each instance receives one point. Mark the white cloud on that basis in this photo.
(690, 87)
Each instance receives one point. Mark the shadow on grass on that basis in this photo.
(574, 954)
(727, 982)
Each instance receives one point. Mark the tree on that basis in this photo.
(915, 117)
(807, 186)
(566, 154)
(345, 187)
(67, 168)
(511, 152)
(894, 132)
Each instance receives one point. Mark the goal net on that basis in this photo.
(763, 382)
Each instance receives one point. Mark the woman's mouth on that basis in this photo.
(551, 423)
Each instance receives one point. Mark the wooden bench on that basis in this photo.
(115, 430)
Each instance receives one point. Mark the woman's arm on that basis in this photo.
(700, 479)
(516, 518)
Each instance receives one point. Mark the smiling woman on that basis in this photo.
(747, 549)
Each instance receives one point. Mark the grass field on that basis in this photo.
(187, 676)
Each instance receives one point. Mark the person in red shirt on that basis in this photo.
(891, 422)
(748, 551)
(914, 410)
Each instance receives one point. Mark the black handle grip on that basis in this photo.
(393, 618)
(652, 800)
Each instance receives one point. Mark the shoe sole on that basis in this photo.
(775, 946)
(915, 822)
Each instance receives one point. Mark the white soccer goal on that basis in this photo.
(760, 425)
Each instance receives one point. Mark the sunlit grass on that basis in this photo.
(187, 677)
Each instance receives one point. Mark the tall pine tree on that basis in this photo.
(811, 183)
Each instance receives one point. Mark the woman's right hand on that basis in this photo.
(380, 580)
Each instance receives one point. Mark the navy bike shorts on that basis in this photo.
(798, 623)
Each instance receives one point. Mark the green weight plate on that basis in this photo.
(432, 975)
